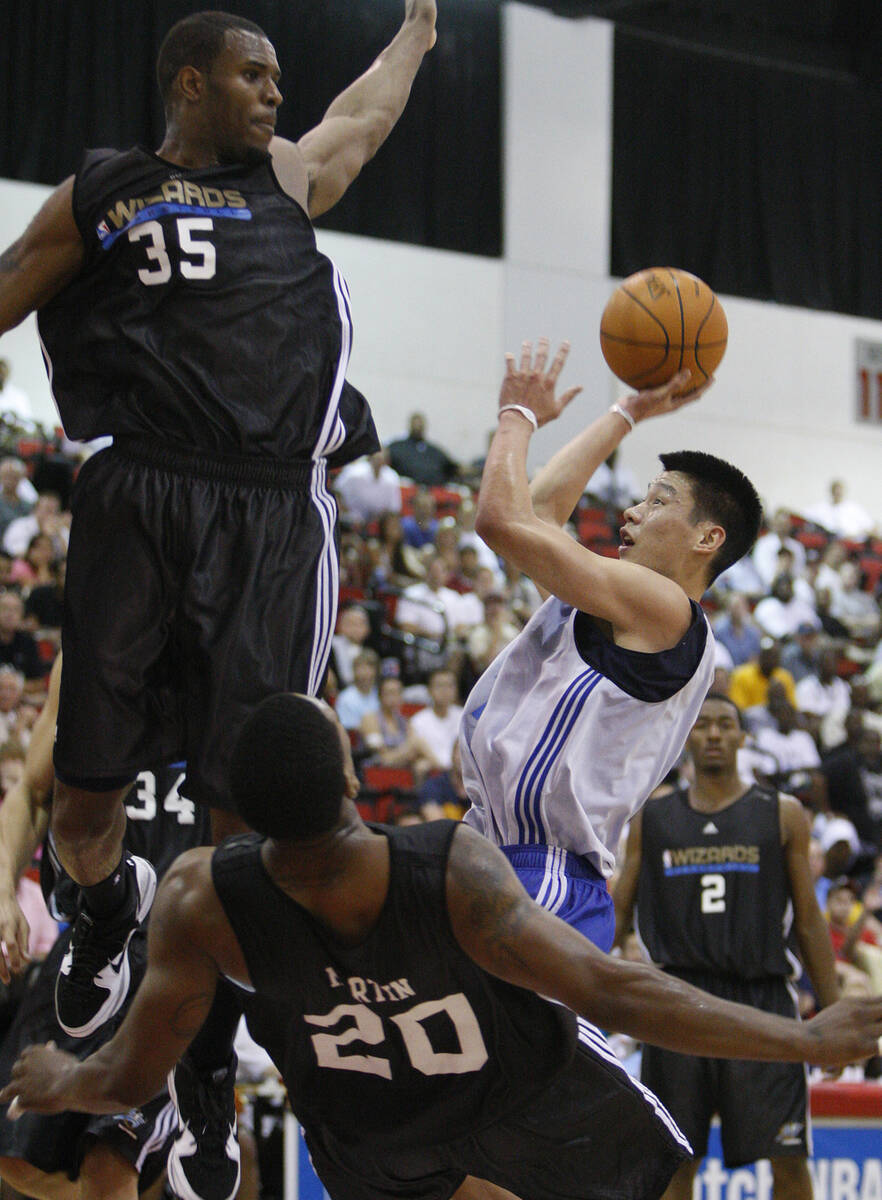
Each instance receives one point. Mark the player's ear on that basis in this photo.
(189, 85)
(711, 538)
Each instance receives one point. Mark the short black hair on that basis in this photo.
(286, 773)
(195, 41)
(723, 494)
(726, 700)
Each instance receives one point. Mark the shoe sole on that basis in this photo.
(178, 1183)
(145, 881)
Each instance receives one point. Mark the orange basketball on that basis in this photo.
(659, 322)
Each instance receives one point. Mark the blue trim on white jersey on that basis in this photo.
(528, 795)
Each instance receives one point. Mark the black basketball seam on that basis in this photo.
(649, 313)
(707, 345)
(676, 283)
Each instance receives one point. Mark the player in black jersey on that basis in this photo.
(110, 1157)
(396, 977)
(185, 310)
(720, 874)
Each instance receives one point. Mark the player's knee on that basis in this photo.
(106, 1175)
(79, 815)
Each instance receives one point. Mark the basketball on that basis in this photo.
(659, 322)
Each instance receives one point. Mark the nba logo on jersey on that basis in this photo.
(103, 230)
(666, 859)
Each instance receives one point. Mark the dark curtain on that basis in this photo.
(80, 74)
(763, 179)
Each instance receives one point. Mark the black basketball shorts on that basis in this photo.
(762, 1106)
(593, 1134)
(59, 1142)
(195, 587)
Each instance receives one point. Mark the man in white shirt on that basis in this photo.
(429, 609)
(781, 614)
(825, 699)
(438, 725)
(765, 552)
(369, 487)
(842, 517)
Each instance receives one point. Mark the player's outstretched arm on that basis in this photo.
(166, 1013)
(812, 935)
(507, 934)
(624, 893)
(363, 116)
(639, 603)
(24, 821)
(44, 259)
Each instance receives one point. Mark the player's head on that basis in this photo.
(716, 736)
(218, 75)
(287, 774)
(722, 509)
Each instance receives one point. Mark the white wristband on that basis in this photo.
(525, 412)
(623, 412)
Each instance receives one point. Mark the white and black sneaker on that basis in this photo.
(94, 977)
(203, 1163)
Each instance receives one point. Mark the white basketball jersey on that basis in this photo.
(565, 734)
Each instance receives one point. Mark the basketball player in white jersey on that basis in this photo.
(582, 715)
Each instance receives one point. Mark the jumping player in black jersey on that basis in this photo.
(112, 1157)
(395, 975)
(720, 874)
(184, 309)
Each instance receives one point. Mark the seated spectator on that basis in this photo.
(419, 459)
(368, 487)
(17, 647)
(438, 724)
(802, 589)
(781, 614)
(393, 564)
(389, 737)
(353, 633)
(35, 568)
(361, 696)
(765, 552)
(865, 700)
(793, 749)
(16, 715)
(12, 503)
(465, 579)
(840, 516)
(825, 700)
(737, 631)
(446, 544)
(841, 846)
(855, 608)
(523, 595)
(749, 686)
(800, 654)
(855, 933)
(831, 625)
(46, 517)
(466, 516)
(429, 609)
(845, 772)
(421, 526)
(827, 575)
(493, 634)
(44, 607)
(743, 579)
(444, 795)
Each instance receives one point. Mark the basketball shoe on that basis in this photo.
(203, 1163)
(95, 975)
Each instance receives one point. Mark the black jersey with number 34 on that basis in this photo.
(203, 314)
(403, 1029)
(712, 893)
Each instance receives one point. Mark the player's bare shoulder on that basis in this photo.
(290, 170)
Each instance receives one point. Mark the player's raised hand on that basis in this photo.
(673, 395)
(422, 10)
(845, 1032)
(38, 1081)
(14, 935)
(532, 382)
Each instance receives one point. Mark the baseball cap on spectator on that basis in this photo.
(839, 829)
